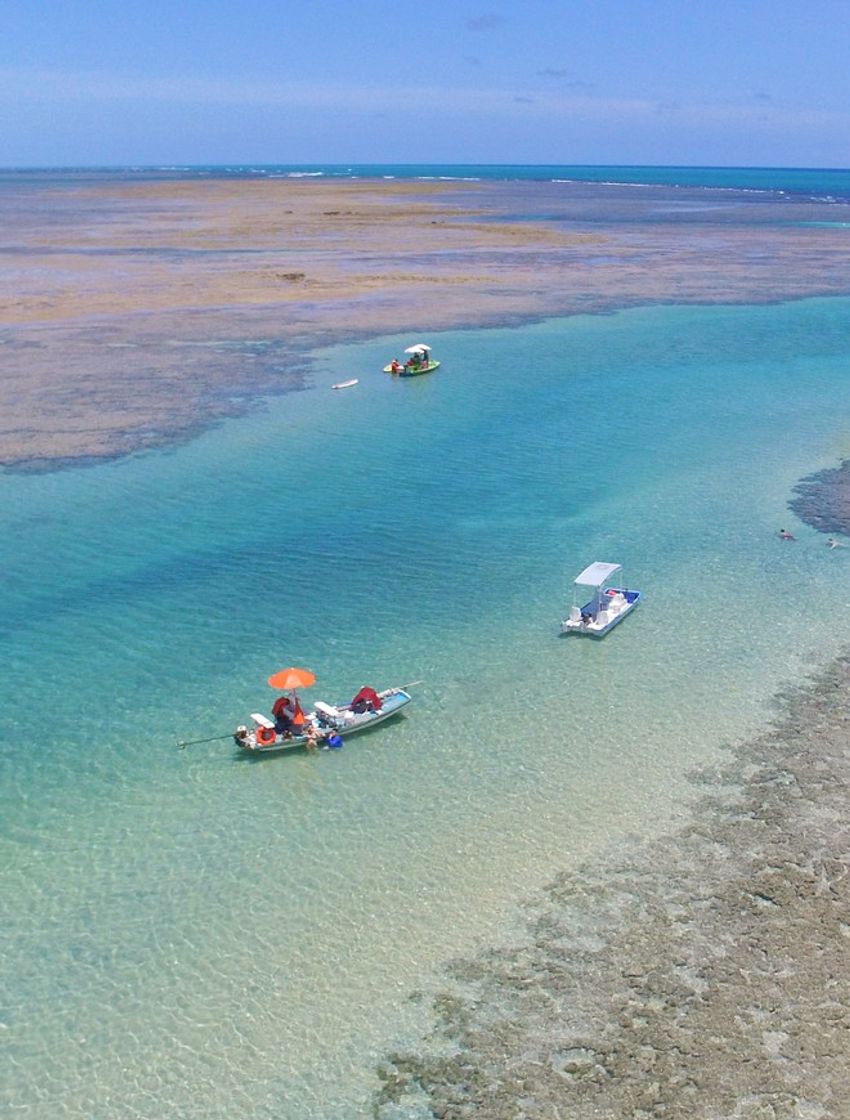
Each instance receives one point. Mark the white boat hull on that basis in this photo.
(325, 719)
(597, 617)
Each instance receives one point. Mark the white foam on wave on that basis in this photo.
(714, 188)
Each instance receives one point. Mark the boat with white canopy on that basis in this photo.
(420, 361)
(607, 607)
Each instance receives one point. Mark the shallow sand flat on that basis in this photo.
(97, 301)
(191, 245)
(705, 974)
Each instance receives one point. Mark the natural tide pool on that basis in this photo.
(193, 934)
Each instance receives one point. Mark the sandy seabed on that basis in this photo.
(702, 975)
(705, 974)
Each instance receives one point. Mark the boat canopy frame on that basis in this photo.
(596, 574)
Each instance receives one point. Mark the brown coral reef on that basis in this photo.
(823, 500)
(135, 313)
(705, 974)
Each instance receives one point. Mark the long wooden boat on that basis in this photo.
(325, 725)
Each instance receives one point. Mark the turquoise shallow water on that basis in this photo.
(193, 934)
(811, 182)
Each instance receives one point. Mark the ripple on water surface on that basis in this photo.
(193, 933)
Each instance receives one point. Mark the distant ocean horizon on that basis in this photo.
(823, 184)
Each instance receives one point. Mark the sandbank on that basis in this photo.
(142, 312)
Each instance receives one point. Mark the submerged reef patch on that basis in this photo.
(108, 277)
(702, 974)
(823, 500)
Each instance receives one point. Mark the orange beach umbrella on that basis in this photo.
(288, 679)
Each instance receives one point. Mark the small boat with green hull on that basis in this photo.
(420, 361)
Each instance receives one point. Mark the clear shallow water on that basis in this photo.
(194, 934)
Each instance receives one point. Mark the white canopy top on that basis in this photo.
(418, 348)
(595, 574)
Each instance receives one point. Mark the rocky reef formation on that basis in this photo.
(823, 500)
(705, 974)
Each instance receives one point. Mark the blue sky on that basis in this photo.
(101, 82)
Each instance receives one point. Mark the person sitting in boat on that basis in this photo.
(284, 711)
(366, 700)
(395, 365)
(299, 720)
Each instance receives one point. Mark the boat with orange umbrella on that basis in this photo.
(324, 724)
(290, 680)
